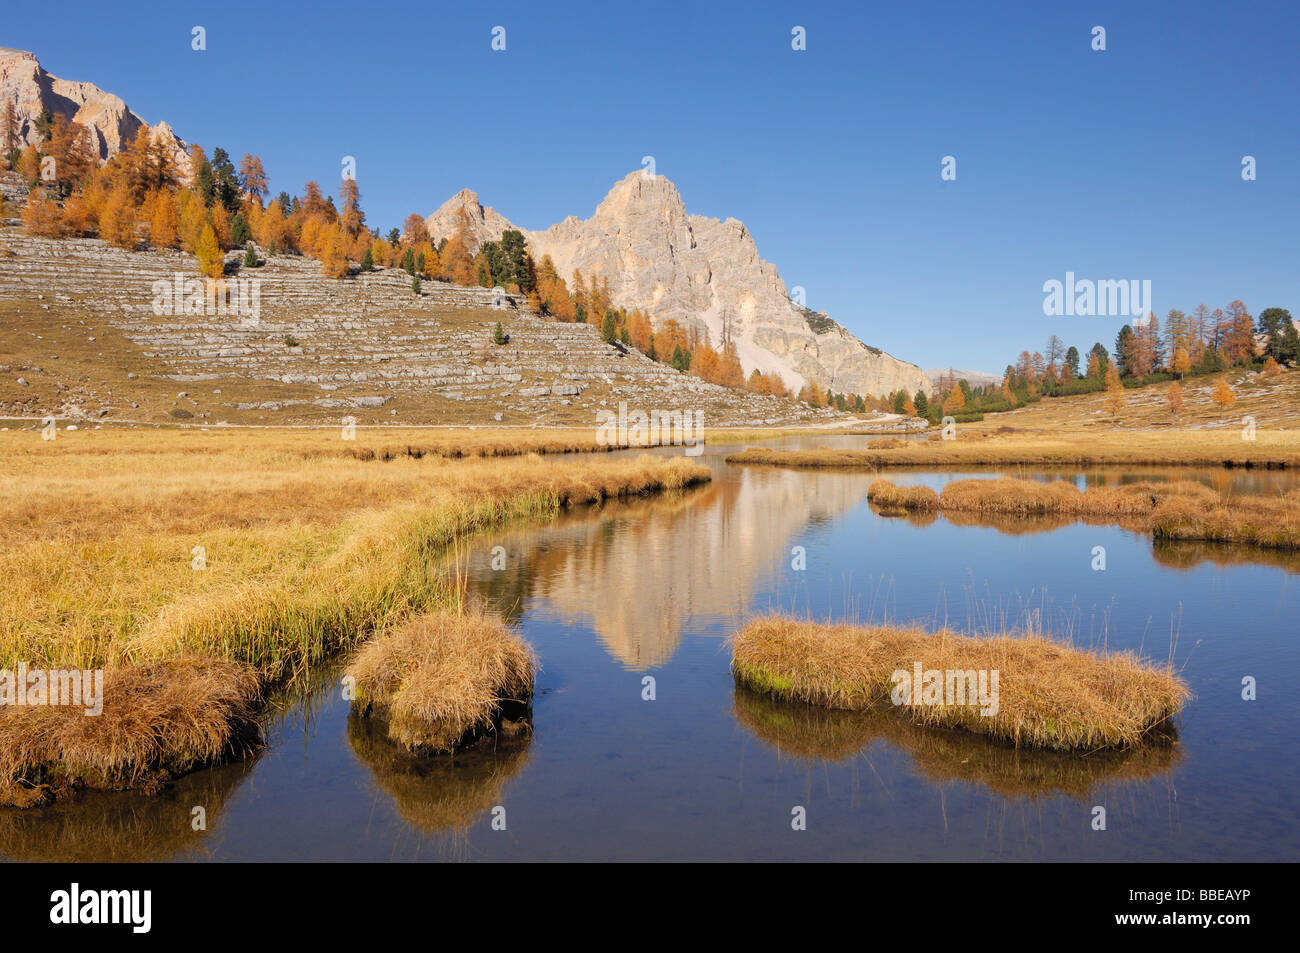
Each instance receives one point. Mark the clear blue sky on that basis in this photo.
(1117, 164)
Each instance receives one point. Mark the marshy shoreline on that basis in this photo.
(198, 571)
(236, 564)
(1269, 450)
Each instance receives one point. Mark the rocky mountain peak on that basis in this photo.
(32, 89)
(465, 213)
(640, 188)
(704, 273)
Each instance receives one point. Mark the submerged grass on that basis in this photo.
(1050, 695)
(1178, 510)
(443, 680)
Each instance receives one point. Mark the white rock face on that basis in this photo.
(703, 272)
(481, 224)
(113, 126)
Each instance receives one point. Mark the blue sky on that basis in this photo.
(1117, 164)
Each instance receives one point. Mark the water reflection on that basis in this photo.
(121, 827)
(1188, 555)
(443, 793)
(636, 572)
(815, 735)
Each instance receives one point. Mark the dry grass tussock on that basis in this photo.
(442, 680)
(1178, 510)
(159, 720)
(890, 497)
(1050, 695)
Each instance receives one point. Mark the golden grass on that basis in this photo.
(159, 720)
(1050, 695)
(306, 549)
(975, 448)
(1061, 497)
(888, 496)
(441, 681)
(1177, 510)
(1269, 522)
(813, 735)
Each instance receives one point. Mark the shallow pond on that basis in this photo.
(651, 588)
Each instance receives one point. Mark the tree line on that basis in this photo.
(1146, 352)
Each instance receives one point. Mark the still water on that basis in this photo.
(650, 589)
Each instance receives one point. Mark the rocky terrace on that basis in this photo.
(81, 333)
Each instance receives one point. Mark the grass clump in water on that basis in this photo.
(159, 720)
(1178, 510)
(890, 497)
(1049, 695)
(443, 681)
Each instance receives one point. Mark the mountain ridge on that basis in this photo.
(704, 272)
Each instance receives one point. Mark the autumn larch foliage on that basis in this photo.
(1223, 396)
(334, 259)
(117, 220)
(1114, 392)
(212, 263)
(164, 223)
(1174, 399)
(42, 216)
(955, 401)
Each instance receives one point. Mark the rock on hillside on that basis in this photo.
(703, 272)
(463, 212)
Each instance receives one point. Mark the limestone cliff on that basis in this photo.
(112, 125)
(701, 271)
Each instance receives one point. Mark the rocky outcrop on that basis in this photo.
(702, 272)
(464, 213)
(112, 124)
